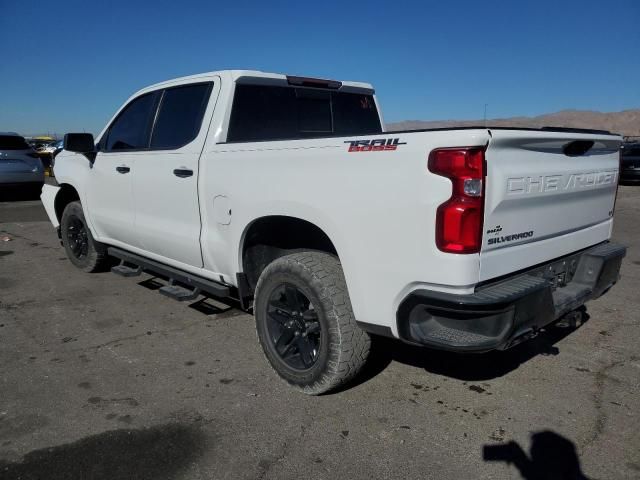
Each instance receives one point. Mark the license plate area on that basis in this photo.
(559, 272)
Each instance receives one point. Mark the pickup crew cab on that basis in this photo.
(287, 194)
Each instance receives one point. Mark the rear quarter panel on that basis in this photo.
(377, 207)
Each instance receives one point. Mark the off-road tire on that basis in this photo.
(95, 259)
(344, 347)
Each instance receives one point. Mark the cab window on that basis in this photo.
(180, 115)
(132, 128)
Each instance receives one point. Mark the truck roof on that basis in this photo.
(234, 75)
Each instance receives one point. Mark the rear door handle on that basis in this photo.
(123, 169)
(183, 172)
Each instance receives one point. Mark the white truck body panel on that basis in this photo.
(109, 197)
(48, 198)
(395, 209)
(565, 203)
(378, 208)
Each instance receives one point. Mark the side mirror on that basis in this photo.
(81, 143)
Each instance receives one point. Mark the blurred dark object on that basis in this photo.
(507, 452)
(630, 163)
(552, 457)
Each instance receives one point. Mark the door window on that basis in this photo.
(131, 129)
(180, 116)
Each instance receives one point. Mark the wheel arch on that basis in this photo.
(271, 236)
(67, 194)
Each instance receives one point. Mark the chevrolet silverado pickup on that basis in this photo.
(287, 194)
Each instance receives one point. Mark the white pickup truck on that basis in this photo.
(288, 195)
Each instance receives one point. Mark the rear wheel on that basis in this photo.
(83, 251)
(305, 323)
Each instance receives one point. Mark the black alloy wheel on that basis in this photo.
(77, 238)
(305, 323)
(293, 327)
(83, 251)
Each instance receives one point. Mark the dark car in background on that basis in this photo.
(20, 165)
(630, 165)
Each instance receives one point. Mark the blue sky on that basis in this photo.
(66, 66)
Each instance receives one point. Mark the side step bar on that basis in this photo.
(125, 271)
(197, 284)
(179, 293)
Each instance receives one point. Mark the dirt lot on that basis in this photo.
(103, 378)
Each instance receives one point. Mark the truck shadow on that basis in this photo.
(551, 456)
(155, 453)
(466, 367)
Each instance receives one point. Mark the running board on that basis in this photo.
(179, 293)
(196, 283)
(125, 271)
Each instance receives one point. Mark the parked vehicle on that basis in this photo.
(57, 148)
(630, 163)
(20, 166)
(286, 194)
(45, 148)
(48, 148)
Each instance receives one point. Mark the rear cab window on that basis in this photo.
(273, 112)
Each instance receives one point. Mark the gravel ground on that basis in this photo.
(104, 378)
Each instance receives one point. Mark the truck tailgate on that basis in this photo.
(547, 194)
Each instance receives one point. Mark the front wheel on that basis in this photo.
(305, 323)
(83, 251)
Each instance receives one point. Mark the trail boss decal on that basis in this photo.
(377, 145)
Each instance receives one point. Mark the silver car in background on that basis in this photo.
(20, 166)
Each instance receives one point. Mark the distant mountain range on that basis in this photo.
(626, 123)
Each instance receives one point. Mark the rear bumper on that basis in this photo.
(501, 314)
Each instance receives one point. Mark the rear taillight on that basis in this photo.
(459, 219)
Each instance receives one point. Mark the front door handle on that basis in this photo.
(183, 172)
(123, 169)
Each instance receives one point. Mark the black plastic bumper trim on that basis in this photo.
(374, 329)
(498, 315)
